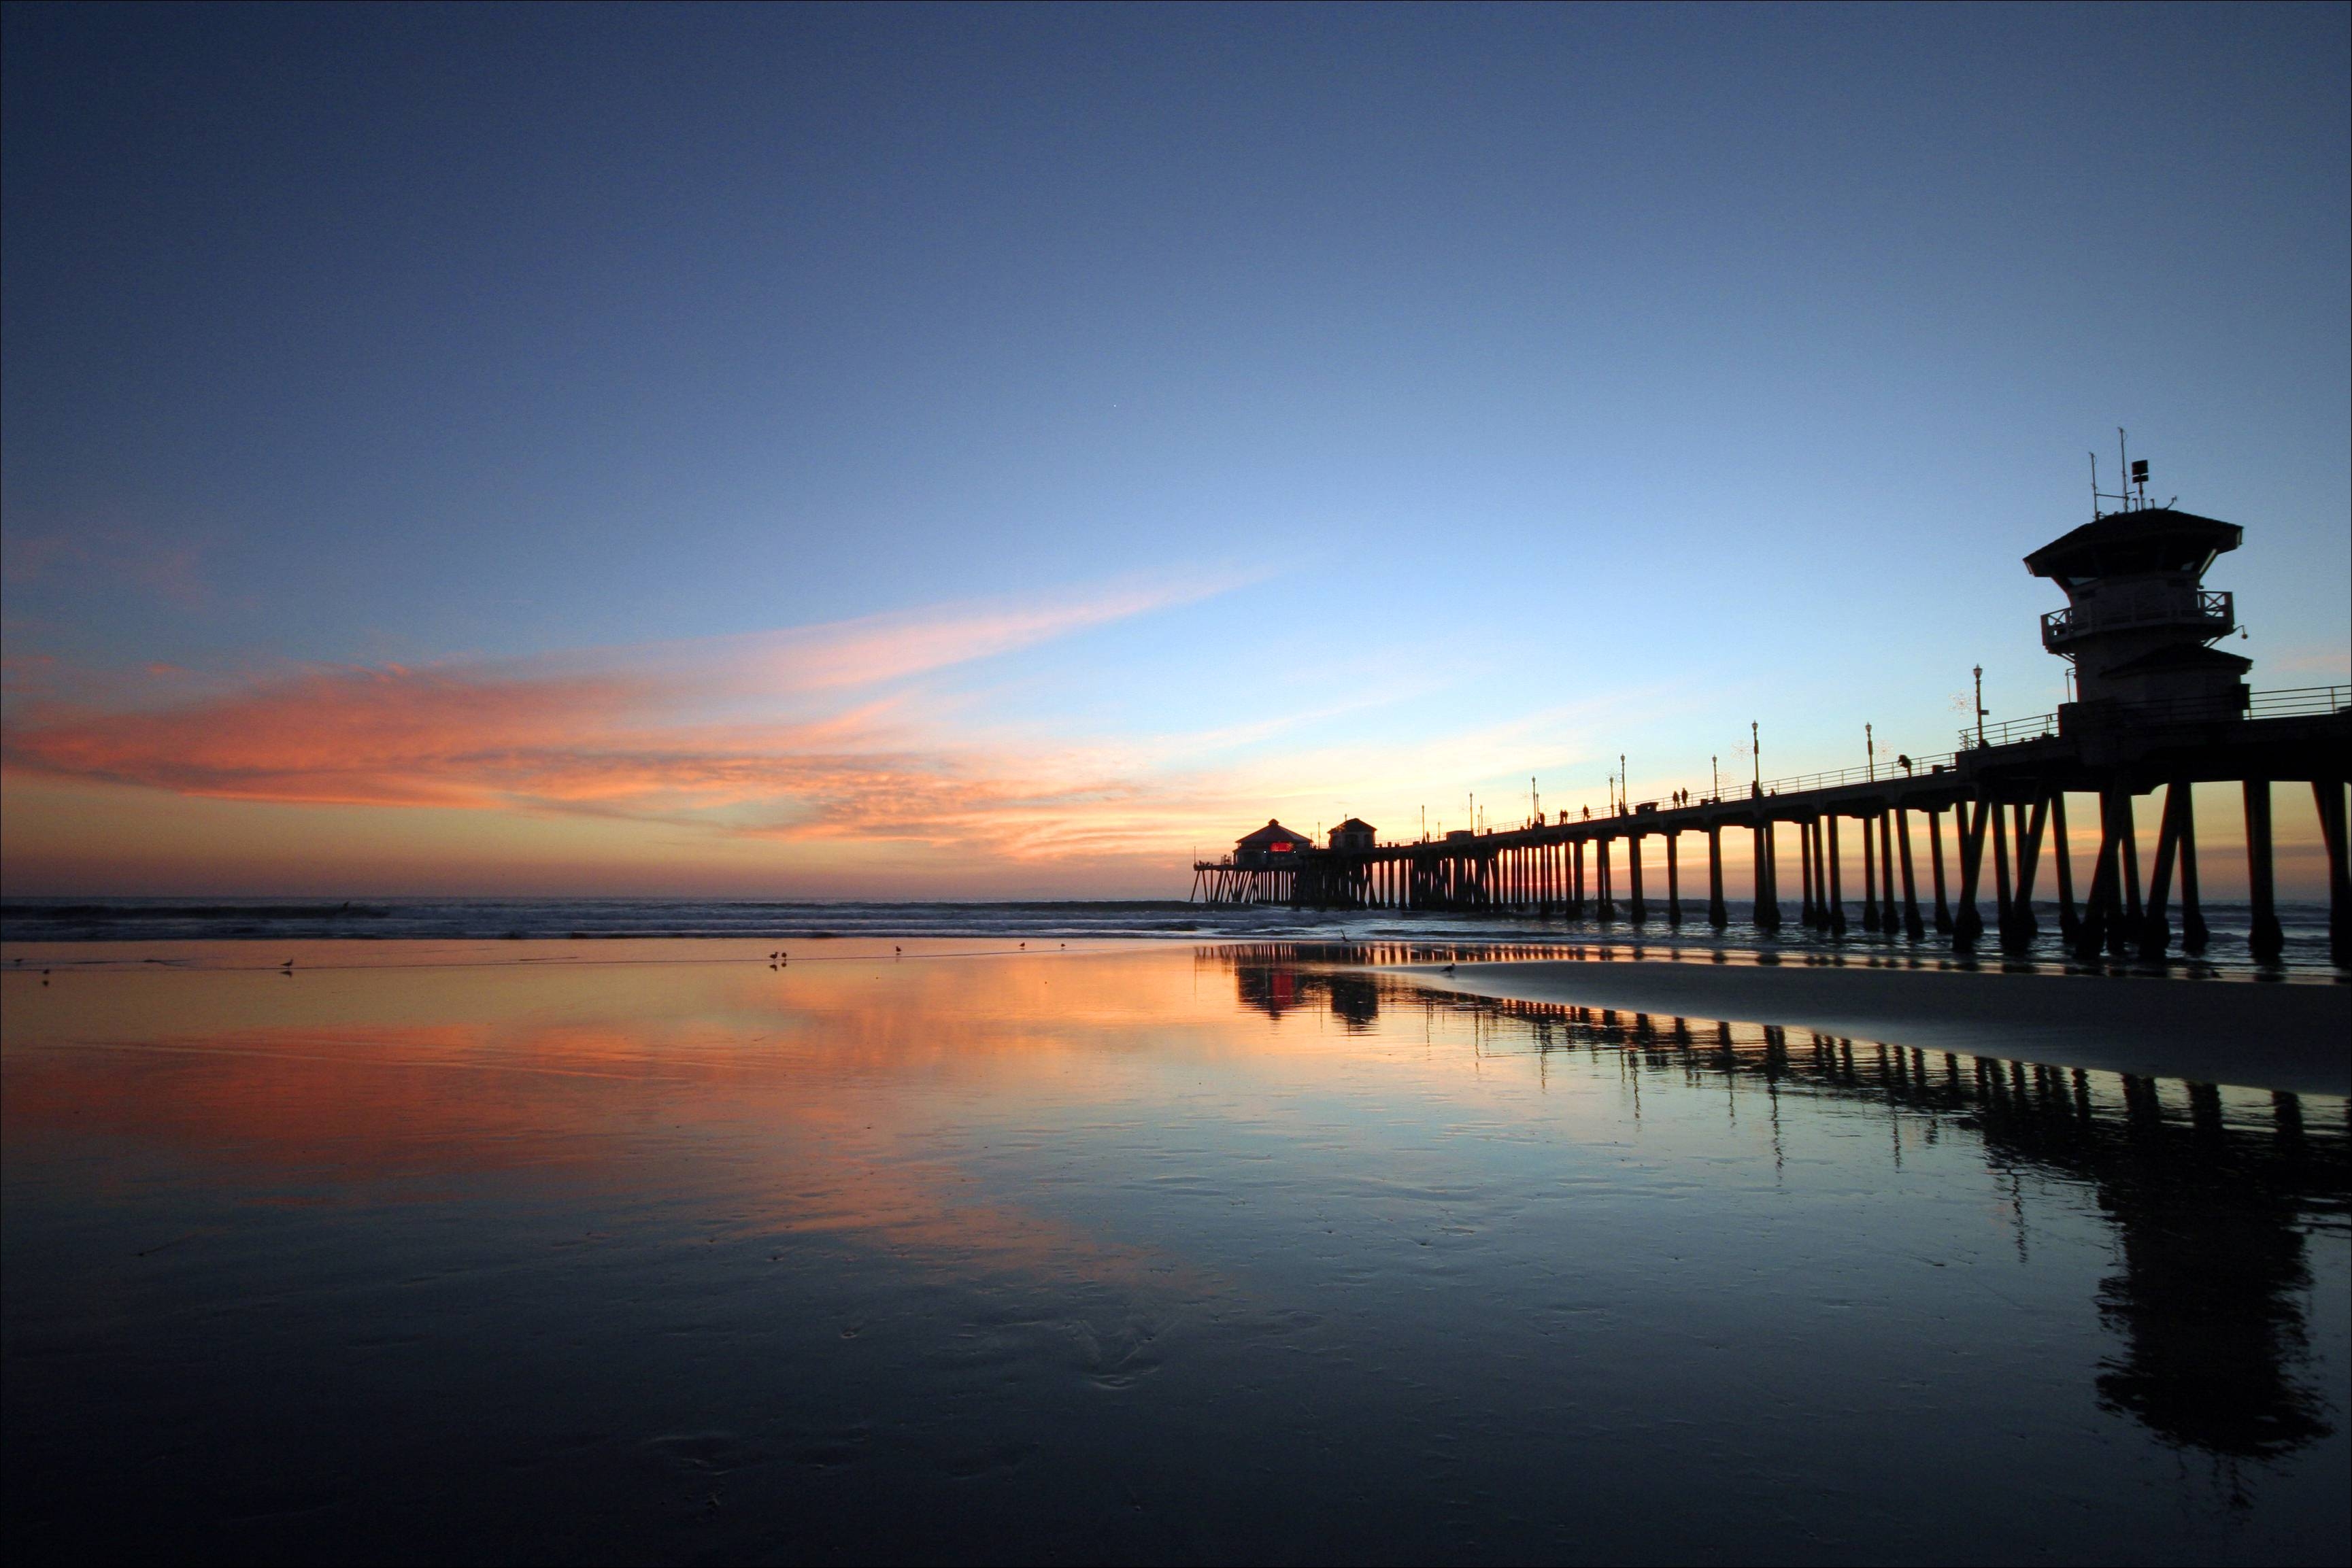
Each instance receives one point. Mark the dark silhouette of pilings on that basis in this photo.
(1717, 915)
(2328, 797)
(2009, 813)
(2265, 937)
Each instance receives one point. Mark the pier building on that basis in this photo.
(2156, 708)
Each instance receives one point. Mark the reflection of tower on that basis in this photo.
(2138, 617)
(1274, 985)
(1354, 1000)
(1272, 989)
(2208, 1306)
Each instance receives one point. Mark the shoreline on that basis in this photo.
(2296, 1039)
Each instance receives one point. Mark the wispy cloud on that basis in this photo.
(807, 733)
(838, 735)
(170, 568)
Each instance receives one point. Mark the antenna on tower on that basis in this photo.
(2130, 494)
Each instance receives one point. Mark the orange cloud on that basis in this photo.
(619, 734)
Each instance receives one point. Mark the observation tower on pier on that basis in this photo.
(2139, 622)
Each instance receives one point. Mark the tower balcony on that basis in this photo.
(2200, 612)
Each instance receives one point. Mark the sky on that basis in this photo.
(989, 451)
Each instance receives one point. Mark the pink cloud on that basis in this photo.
(617, 734)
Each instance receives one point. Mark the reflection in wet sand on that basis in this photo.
(2211, 1208)
(1158, 1252)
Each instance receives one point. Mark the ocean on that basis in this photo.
(472, 919)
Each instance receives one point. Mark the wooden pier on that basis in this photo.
(1928, 841)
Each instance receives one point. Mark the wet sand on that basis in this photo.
(2296, 1037)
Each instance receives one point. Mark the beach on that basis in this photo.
(673, 1251)
(2291, 1036)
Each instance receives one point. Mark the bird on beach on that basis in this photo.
(1447, 970)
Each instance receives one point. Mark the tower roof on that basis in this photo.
(2155, 538)
(1275, 833)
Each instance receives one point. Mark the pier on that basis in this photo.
(1924, 844)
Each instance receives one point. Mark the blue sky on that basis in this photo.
(1358, 408)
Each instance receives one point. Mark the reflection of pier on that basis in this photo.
(2210, 1209)
(2158, 709)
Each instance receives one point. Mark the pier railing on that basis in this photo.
(2295, 702)
(1840, 778)
(2287, 702)
(2040, 727)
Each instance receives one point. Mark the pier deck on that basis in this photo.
(2005, 796)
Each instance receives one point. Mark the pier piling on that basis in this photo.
(1869, 876)
(2328, 796)
(1836, 911)
(1966, 923)
(2264, 938)
(2063, 861)
(2004, 907)
(1638, 910)
(1717, 915)
(2193, 934)
(1913, 926)
(2155, 931)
